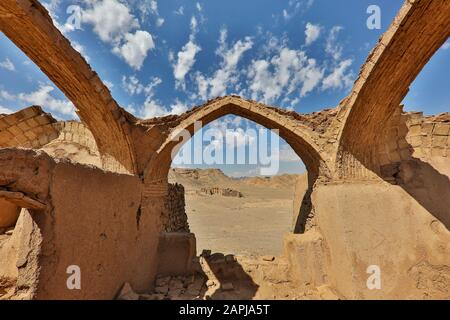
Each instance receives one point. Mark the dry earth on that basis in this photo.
(253, 224)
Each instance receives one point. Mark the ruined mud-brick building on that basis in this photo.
(379, 188)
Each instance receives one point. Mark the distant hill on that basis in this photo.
(194, 179)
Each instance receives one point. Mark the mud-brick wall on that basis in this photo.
(175, 218)
(430, 137)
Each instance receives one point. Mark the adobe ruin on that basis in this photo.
(379, 188)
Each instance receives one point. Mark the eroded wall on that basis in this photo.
(381, 224)
(93, 219)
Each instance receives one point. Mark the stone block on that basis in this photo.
(415, 130)
(175, 253)
(439, 141)
(438, 152)
(415, 141)
(427, 128)
(441, 129)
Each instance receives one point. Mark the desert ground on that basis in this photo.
(253, 224)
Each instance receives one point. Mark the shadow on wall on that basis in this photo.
(305, 213)
(212, 277)
(420, 179)
(428, 187)
(230, 280)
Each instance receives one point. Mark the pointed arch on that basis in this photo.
(417, 32)
(302, 139)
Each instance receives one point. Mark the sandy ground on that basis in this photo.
(252, 225)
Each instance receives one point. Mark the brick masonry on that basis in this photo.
(174, 218)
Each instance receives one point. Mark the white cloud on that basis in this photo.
(294, 7)
(4, 110)
(109, 84)
(179, 107)
(194, 25)
(338, 79)
(8, 65)
(154, 6)
(114, 23)
(184, 63)
(287, 71)
(152, 108)
(52, 7)
(179, 11)
(199, 6)
(5, 95)
(133, 86)
(446, 45)
(81, 49)
(227, 74)
(185, 58)
(312, 33)
(333, 48)
(135, 48)
(111, 19)
(145, 9)
(159, 22)
(42, 97)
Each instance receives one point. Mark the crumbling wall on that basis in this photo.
(93, 219)
(175, 218)
(224, 192)
(380, 224)
(27, 128)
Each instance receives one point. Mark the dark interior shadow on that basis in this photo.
(304, 215)
(429, 187)
(234, 281)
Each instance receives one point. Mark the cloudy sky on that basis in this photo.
(162, 57)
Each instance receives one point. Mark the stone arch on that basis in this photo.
(418, 31)
(303, 140)
(70, 72)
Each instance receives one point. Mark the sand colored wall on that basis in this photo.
(176, 251)
(94, 219)
(381, 224)
(97, 223)
(9, 213)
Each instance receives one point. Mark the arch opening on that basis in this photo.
(239, 204)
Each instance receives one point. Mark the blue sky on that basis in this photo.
(161, 57)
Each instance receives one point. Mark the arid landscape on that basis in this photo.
(253, 223)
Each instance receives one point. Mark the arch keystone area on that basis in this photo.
(294, 129)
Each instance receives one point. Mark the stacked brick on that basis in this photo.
(175, 218)
(429, 136)
(76, 132)
(44, 44)
(27, 128)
